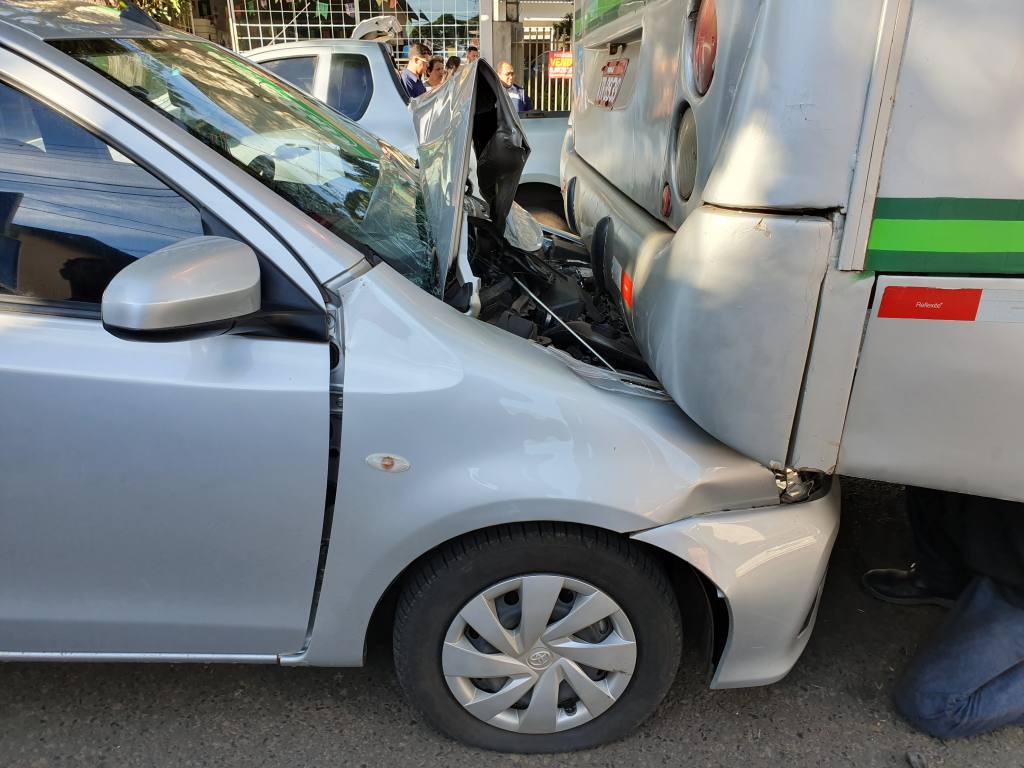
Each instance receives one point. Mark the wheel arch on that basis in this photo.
(543, 191)
(705, 614)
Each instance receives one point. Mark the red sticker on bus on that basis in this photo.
(914, 303)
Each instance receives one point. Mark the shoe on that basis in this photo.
(907, 587)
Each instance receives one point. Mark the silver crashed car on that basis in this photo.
(266, 380)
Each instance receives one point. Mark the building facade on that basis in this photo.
(503, 30)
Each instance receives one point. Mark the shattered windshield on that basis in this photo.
(330, 169)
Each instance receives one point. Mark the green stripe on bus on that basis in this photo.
(945, 262)
(949, 208)
(947, 236)
(591, 14)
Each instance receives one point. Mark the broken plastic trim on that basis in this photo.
(795, 485)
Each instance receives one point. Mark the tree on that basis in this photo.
(173, 12)
(563, 29)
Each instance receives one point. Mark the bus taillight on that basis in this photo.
(705, 46)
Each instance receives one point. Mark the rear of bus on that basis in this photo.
(707, 168)
(812, 216)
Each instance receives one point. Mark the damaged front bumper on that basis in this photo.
(769, 566)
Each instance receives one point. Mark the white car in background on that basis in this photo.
(358, 78)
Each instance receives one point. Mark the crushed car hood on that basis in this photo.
(471, 107)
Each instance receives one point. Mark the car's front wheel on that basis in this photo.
(537, 638)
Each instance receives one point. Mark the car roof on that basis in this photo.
(62, 19)
(340, 44)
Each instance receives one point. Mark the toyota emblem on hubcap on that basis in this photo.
(539, 659)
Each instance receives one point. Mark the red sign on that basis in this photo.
(559, 65)
(913, 303)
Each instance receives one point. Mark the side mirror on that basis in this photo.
(194, 288)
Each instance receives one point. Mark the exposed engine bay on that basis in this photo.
(504, 269)
(549, 295)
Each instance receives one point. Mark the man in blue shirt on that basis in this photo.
(515, 92)
(419, 57)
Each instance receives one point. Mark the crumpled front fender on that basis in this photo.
(493, 430)
(769, 564)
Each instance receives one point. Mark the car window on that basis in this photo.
(325, 165)
(73, 210)
(351, 85)
(297, 70)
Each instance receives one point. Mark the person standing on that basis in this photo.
(970, 555)
(419, 57)
(515, 92)
(435, 73)
(472, 54)
(451, 66)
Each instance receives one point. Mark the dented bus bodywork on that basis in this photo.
(840, 291)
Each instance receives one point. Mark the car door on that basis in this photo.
(156, 498)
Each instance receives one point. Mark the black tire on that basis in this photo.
(439, 588)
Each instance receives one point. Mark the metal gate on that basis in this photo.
(530, 60)
(450, 26)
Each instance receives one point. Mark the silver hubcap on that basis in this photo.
(539, 654)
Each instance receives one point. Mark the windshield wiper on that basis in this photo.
(370, 253)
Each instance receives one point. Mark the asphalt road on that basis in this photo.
(832, 710)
